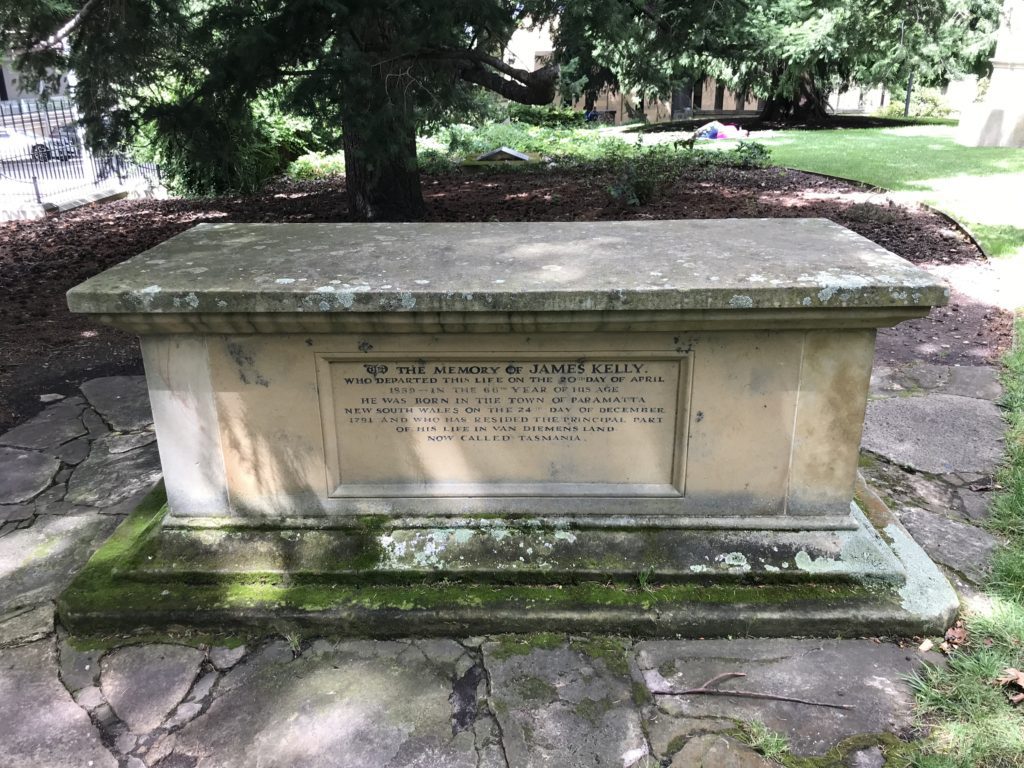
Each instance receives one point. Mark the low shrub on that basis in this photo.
(924, 102)
(643, 174)
(210, 148)
(750, 154)
(435, 161)
(466, 142)
(314, 165)
(547, 116)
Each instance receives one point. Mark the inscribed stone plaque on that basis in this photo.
(455, 426)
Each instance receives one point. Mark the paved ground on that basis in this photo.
(68, 476)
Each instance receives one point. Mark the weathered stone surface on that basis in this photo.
(47, 505)
(667, 733)
(202, 687)
(24, 625)
(977, 505)
(16, 512)
(272, 654)
(126, 505)
(224, 658)
(24, 474)
(869, 676)
(40, 725)
(936, 433)
(917, 376)
(89, 698)
(106, 478)
(73, 452)
(130, 441)
(143, 683)
(348, 704)
(122, 401)
(54, 494)
(38, 562)
(712, 751)
(96, 426)
(184, 713)
(78, 669)
(126, 742)
(104, 714)
(979, 381)
(871, 757)
(964, 548)
(51, 428)
(553, 266)
(560, 706)
(160, 748)
(906, 488)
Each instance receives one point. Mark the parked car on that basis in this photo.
(63, 143)
(15, 145)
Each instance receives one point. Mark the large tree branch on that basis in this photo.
(522, 75)
(524, 86)
(57, 37)
(537, 88)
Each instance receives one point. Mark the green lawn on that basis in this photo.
(981, 187)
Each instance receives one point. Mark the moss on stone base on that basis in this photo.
(107, 596)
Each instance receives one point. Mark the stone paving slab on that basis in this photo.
(936, 433)
(964, 548)
(710, 751)
(111, 475)
(350, 704)
(563, 706)
(143, 683)
(863, 674)
(51, 428)
(122, 401)
(27, 624)
(40, 725)
(38, 562)
(24, 474)
(979, 381)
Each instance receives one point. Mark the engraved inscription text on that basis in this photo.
(505, 425)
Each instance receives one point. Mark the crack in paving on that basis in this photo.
(130, 748)
(464, 700)
(483, 708)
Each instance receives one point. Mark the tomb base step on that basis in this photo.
(526, 551)
(871, 579)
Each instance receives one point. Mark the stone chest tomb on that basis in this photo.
(531, 414)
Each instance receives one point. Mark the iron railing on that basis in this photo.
(42, 157)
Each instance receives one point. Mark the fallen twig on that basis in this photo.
(707, 690)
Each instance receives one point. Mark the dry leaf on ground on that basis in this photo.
(1013, 678)
(955, 637)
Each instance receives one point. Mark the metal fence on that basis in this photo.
(42, 157)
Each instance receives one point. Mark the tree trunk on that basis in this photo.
(379, 135)
(775, 108)
(381, 176)
(910, 92)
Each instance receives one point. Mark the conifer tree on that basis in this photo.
(195, 68)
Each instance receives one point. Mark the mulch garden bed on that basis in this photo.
(44, 348)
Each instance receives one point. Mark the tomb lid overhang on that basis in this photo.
(721, 265)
